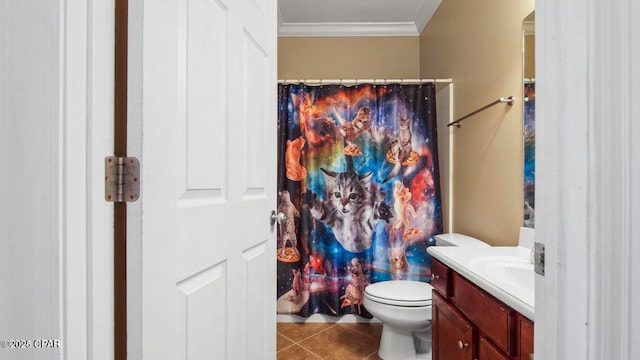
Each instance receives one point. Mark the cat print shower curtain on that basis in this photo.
(529, 154)
(359, 187)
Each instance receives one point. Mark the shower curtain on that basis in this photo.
(529, 154)
(359, 187)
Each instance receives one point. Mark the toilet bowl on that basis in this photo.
(404, 308)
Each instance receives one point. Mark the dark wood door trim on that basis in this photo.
(120, 209)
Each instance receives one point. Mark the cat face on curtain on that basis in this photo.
(348, 209)
(348, 193)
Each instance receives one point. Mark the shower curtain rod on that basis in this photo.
(363, 81)
(509, 101)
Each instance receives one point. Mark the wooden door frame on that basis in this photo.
(86, 137)
(121, 33)
(84, 219)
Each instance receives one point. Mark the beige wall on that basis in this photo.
(348, 57)
(479, 45)
(530, 56)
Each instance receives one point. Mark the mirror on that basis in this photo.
(529, 117)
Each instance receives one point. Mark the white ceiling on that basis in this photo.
(354, 17)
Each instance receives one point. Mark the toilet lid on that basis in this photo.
(400, 292)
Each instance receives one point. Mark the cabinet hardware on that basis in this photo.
(462, 345)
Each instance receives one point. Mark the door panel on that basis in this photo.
(201, 317)
(254, 106)
(203, 120)
(203, 73)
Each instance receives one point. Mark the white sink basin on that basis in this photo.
(514, 274)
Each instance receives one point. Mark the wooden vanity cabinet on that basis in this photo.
(469, 323)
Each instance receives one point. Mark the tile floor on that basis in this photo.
(328, 341)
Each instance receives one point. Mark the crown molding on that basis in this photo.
(406, 28)
(348, 29)
(425, 14)
(279, 24)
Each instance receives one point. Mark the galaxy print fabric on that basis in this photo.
(354, 216)
(529, 154)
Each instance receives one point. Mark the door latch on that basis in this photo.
(538, 258)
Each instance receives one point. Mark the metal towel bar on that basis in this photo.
(508, 101)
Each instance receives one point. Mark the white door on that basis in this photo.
(202, 119)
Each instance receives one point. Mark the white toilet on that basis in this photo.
(404, 307)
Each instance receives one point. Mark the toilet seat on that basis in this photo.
(406, 293)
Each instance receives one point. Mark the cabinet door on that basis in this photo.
(487, 351)
(453, 334)
(525, 338)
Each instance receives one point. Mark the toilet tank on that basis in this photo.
(455, 239)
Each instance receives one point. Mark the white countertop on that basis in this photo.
(464, 260)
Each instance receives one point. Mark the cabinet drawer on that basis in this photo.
(487, 351)
(440, 278)
(492, 318)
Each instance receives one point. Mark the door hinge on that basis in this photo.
(538, 258)
(121, 179)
